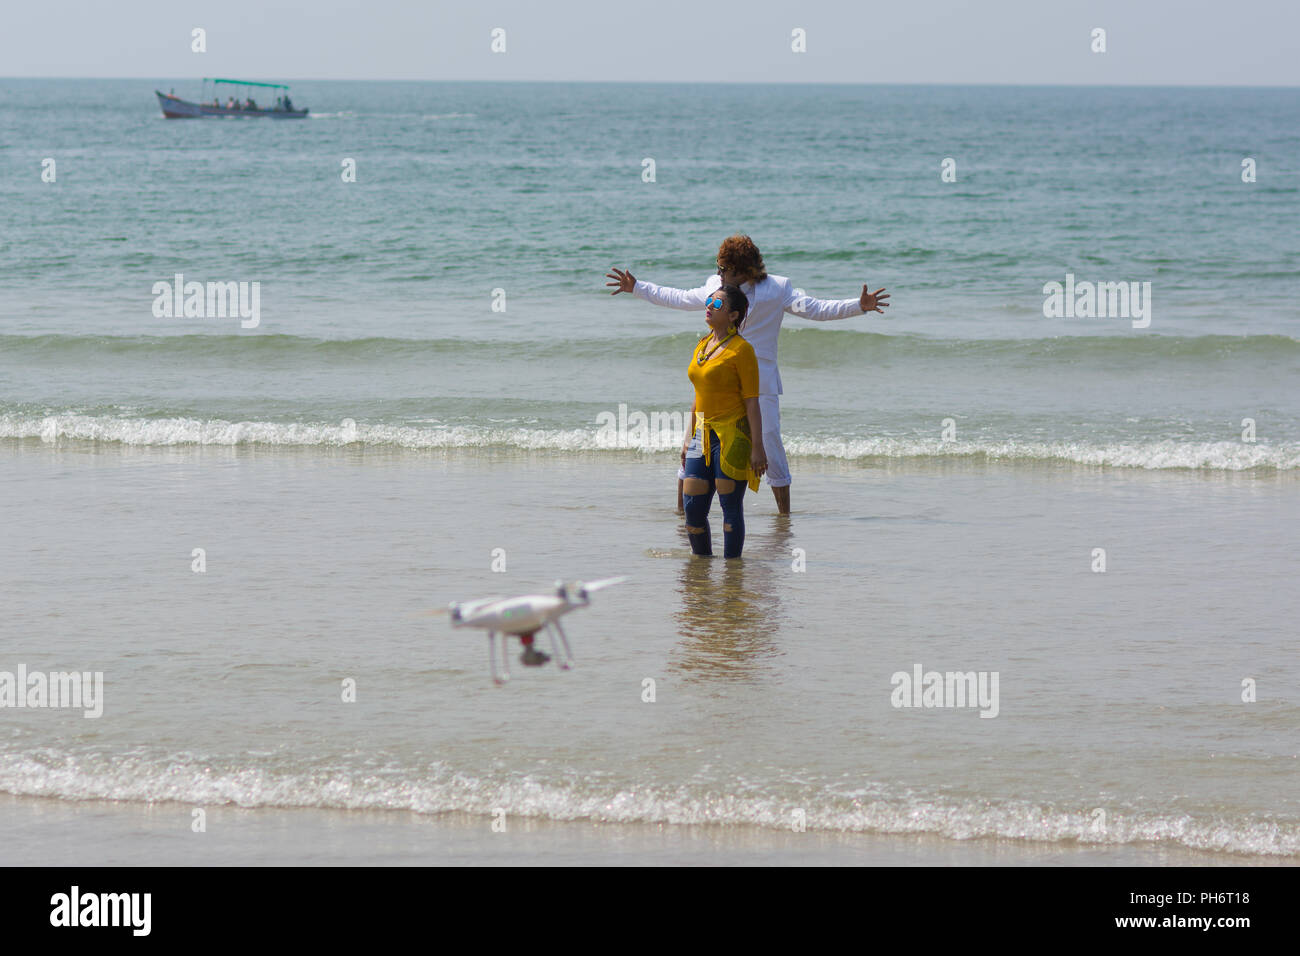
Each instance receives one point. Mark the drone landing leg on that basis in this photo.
(568, 654)
(560, 659)
(492, 660)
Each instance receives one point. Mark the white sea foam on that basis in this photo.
(1213, 456)
(440, 789)
(1208, 456)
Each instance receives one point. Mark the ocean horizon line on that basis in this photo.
(682, 83)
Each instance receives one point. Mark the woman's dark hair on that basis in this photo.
(737, 302)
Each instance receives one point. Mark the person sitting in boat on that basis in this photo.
(288, 104)
(249, 104)
(230, 103)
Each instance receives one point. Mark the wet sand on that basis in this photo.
(44, 832)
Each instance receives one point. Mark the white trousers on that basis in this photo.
(778, 469)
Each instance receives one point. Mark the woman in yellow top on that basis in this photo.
(720, 453)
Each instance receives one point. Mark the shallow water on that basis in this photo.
(1118, 691)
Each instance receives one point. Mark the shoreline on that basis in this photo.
(50, 831)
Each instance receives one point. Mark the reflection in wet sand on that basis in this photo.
(731, 609)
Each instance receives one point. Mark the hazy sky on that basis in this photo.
(1149, 42)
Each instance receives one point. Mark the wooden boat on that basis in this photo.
(242, 105)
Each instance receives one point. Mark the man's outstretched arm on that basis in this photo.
(690, 300)
(825, 310)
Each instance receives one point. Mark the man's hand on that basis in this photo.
(625, 282)
(758, 460)
(873, 301)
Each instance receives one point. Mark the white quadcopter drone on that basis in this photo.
(524, 617)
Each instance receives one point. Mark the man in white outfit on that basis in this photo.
(770, 297)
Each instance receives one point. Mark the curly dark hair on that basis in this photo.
(738, 254)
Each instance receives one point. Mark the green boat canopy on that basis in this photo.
(274, 86)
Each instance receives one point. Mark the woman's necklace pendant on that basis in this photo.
(705, 356)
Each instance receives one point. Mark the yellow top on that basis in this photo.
(726, 379)
(722, 383)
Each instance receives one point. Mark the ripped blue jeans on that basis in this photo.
(697, 506)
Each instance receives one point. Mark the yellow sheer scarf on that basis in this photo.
(734, 442)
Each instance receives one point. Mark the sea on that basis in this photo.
(1036, 601)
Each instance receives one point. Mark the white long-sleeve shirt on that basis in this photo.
(769, 300)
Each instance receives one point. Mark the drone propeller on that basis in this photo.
(582, 591)
(437, 611)
(602, 583)
(457, 609)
